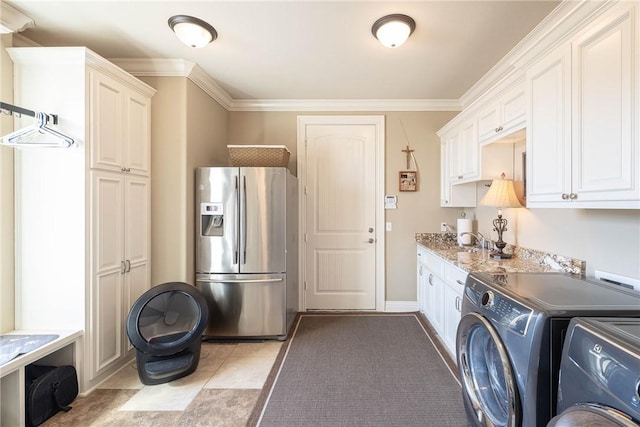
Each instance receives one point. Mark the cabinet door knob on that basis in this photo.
(123, 169)
(573, 196)
(431, 279)
(123, 267)
(565, 196)
(128, 265)
(459, 176)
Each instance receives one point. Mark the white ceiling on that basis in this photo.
(288, 50)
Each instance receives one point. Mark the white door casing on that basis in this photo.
(341, 175)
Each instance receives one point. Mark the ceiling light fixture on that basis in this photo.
(192, 31)
(393, 30)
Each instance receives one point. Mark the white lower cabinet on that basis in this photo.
(451, 314)
(440, 290)
(434, 308)
(120, 265)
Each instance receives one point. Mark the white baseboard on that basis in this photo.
(401, 306)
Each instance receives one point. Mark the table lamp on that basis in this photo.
(501, 195)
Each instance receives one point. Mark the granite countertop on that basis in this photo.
(523, 261)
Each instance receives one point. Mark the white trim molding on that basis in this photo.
(12, 20)
(182, 68)
(158, 67)
(353, 105)
(401, 306)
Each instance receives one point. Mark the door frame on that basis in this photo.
(379, 122)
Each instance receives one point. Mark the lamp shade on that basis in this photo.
(393, 30)
(501, 195)
(192, 31)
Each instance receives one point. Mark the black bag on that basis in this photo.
(49, 390)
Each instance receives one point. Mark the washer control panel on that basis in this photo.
(499, 308)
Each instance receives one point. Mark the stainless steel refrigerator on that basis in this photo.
(247, 250)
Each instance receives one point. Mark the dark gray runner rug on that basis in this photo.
(364, 370)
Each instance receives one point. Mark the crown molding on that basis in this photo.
(158, 67)
(182, 68)
(346, 105)
(567, 18)
(12, 20)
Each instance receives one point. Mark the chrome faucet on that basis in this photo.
(480, 239)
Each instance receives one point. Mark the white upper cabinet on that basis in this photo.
(574, 85)
(605, 110)
(121, 142)
(461, 195)
(549, 125)
(504, 116)
(582, 134)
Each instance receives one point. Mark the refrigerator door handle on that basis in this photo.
(243, 232)
(236, 237)
(239, 281)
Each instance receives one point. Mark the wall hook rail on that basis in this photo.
(19, 111)
(38, 135)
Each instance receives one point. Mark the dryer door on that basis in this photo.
(489, 386)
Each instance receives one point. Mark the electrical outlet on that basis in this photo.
(443, 227)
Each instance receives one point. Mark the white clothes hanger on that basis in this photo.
(38, 135)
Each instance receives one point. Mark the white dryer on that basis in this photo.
(600, 373)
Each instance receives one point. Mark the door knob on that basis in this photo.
(371, 240)
(370, 229)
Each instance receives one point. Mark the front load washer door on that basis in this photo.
(592, 414)
(488, 384)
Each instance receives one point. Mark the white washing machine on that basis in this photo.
(600, 374)
(510, 340)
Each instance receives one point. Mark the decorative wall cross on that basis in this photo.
(408, 151)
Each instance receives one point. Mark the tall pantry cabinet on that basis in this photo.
(83, 213)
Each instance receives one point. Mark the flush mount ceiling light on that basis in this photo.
(192, 31)
(393, 30)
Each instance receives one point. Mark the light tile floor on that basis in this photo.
(222, 392)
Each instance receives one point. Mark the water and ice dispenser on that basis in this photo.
(211, 219)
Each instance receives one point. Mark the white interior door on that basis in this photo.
(340, 176)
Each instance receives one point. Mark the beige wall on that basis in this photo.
(168, 179)
(188, 130)
(207, 146)
(417, 212)
(7, 281)
(608, 240)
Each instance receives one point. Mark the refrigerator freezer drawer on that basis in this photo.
(244, 306)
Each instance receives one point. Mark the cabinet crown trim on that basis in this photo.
(76, 55)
